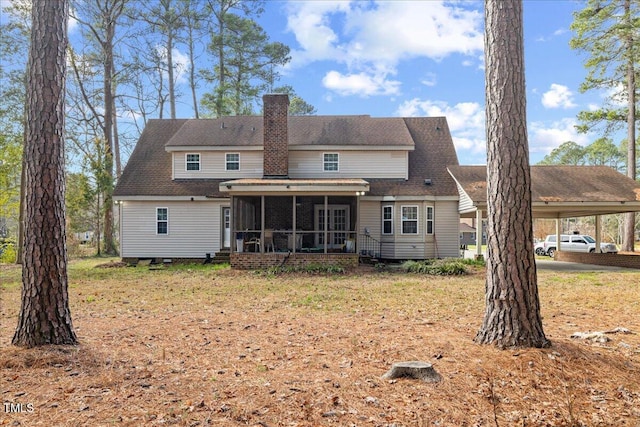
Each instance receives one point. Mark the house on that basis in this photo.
(290, 189)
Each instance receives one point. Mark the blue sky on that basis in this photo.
(425, 58)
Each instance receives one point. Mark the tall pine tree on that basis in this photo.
(45, 317)
(512, 315)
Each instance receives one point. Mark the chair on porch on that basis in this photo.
(268, 240)
(252, 245)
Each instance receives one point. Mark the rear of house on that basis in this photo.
(293, 189)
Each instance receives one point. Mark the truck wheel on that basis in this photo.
(551, 252)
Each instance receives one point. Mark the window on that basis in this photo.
(409, 220)
(162, 220)
(232, 162)
(330, 162)
(429, 219)
(193, 162)
(387, 220)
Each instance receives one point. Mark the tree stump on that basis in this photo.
(414, 369)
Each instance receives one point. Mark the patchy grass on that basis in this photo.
(196, 345)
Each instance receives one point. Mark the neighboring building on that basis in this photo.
(292, 189)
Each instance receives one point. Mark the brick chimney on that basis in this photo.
(276, 140)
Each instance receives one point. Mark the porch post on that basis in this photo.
(326, 222)
(558, 239)
(232, 224)
(357, 225)
(293, 233)
(262, 224)
(478, 233)
(598, 233)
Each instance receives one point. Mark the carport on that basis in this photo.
(557, 192)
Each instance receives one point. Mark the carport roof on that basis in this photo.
(557, 191)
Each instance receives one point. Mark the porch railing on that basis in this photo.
(368, 246)
(302, 241)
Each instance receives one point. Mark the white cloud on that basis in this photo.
(560, 31)
(374, 37)
(181, 66)
(466, 121)
(72, 23)
(310, 22)
(556, 33)
(545, 137)
(616, 95)
(360, 84)
(429, 79)
(558, 96)
(180, 63)
(467, 125)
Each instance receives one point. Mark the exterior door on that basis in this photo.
(338, 216)
(226, 227)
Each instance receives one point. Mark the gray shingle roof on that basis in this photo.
(148, 172)
(558, 184)
(302, 130)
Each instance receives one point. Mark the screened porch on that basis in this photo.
(294, 224)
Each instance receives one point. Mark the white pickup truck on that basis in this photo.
(575, 243)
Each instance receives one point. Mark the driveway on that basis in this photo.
(551, 265)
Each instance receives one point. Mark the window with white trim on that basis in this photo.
(330, 162)
(409, 219)
(429, 217)
(162, 220)
(232, 161)
(387, 219)
(193, 161)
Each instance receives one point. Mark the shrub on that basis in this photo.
(314, 268)
(441, 267)
(8, 254)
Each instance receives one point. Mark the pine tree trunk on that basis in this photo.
(109, 244)
(512, 317)
(45, 317)
(628, 239)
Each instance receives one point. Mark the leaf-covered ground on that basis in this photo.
(195, 346)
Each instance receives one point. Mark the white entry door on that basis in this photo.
(226, 228)
(338, 216)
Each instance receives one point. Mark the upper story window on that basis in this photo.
(232, 161)
(330, 162)
(429, 219)
(387, 219)
(409, 220)
(193, 162)
(162, 220)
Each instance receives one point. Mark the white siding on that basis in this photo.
(302, 164)
(194, 229)
(352, 164)
(370, 212)
(213, 163)
(444, 243)
(466, 204)
(447, 229)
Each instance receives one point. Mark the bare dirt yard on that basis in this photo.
(198, 346)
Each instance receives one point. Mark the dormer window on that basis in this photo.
(330, 162)
(232, 161)
(193, 162)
